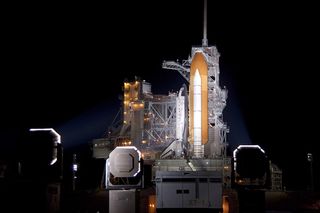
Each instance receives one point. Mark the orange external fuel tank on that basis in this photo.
(198, 67)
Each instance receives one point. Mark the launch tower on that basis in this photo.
(207, 130)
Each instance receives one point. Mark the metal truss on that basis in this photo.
(171, 65)
(162, 115)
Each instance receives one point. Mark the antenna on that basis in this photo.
(205, 40)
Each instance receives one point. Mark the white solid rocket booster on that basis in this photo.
(198, 104)
(197, 114)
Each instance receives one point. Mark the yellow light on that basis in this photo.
(225, 204)
(152, 203)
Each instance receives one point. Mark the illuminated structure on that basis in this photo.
(123, 176)
(184, 125)
(250, 172)
(56, 142)
(199, 114)
(155, 122)
(257, 173)
(147, 121)
(182, 134)
(205, 61)
(197, 179)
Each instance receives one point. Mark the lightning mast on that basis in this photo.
(205, 40)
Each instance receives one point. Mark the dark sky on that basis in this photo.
(63, 65)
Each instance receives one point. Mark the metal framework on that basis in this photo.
(216, 97)
(162, 117)
(183, 69)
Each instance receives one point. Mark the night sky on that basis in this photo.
(63, 66)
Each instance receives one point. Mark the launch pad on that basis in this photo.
(182, 136)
